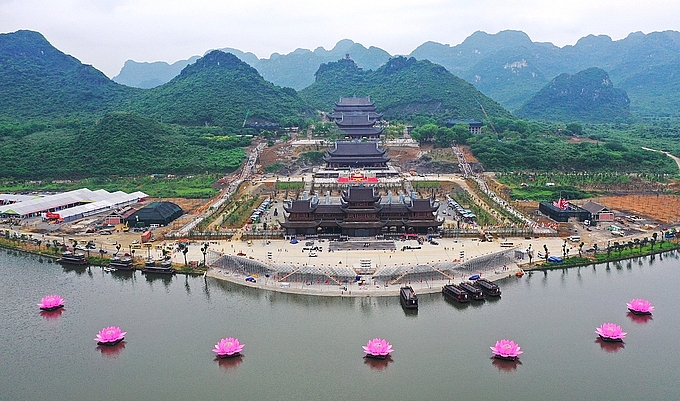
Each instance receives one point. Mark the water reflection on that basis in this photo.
(123, 275)
(456, 304)
(609, 346)
(111, 351)
(166, 279)
(378, 364)
(229, 363)
(410, 313)
(640, 319)
(79, 270)
(504, 365)
(52, 314)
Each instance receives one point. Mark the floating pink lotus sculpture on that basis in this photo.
(51, 302)
(640, 306)
(110, 336)
(506, 349)
(378, 348)
(610, 332)
(228, 347)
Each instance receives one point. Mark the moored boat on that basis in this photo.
(118, 263)
(163, 267)
(474, 292)
(71, 258)
(489, 288)
(408, 297)
(456, 293)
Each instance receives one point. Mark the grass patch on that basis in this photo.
(425, 184)
(194, 187)
(289, 185)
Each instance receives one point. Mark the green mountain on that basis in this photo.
(39, 81)
(588, 96)
(509, 67)
(118, 144)
(402, 88)
(219, 89)
(293, 70)
(150, 75)
(297, 69)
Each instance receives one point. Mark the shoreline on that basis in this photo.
(353, 290)
(431, 255)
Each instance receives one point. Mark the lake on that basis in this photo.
(309, 348)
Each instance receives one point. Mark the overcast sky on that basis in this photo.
(106, 33)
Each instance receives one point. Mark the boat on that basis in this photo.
(489, 288)
(611, 340)
(456, 293)
(639, 313)
(75, 259)
(118, 263)
(520, 273)
(164, 267)
(474, 277)
(408, 297)
(474, 292)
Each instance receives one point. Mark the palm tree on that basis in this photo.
(595, 248)
(204, 251)
(580, 249)
(184, 251)
(545, 248)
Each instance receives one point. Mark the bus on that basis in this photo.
(507, 244)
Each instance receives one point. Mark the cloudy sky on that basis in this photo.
(106, 33)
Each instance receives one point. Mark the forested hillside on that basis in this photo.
(510, 68)
(587, 96)
(39, 81)
(542, 147)
(219, 89)
(119, 144)
(402, 88)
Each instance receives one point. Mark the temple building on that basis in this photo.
(360, 159)
(351, 155)
(360, 213)
(357, 116)
(355, 105)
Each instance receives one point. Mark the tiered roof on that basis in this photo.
(357, 117)
(356, 155)
(308, 216)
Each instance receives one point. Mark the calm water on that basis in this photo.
(310, 348)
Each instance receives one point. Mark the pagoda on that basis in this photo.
(361, 212)
(356, 155)
(357, 116)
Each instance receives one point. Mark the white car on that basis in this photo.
(312, 254)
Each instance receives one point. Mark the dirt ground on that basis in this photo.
(663, 208)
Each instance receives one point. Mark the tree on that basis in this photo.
(204, 251)
(425, 133)
(575, 128)
(653, 240)
(184, 251)
(545, 248)
(595, 248)
(530, 253)
(580, 249)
